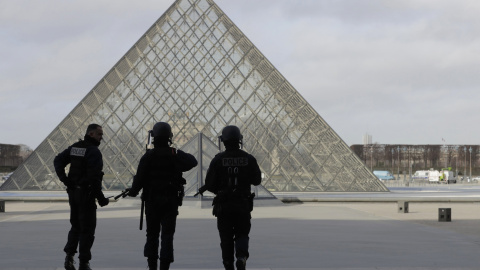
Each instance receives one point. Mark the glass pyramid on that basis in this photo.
(197, 71)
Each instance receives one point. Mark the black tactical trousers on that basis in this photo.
(234, 228)
(161, 217)
(83, 218)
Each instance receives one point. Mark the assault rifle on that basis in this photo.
(123, 194)
(200, 191)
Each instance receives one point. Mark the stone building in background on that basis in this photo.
(12, 155)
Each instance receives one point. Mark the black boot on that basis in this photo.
(84, 265)
(69, 262)
(152, 263)
(228, 265)
(164, 265)
(241, 262)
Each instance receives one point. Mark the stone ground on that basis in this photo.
(353, 236)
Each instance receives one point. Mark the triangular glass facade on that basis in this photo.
(197, 71)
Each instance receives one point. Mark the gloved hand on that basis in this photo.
(103, 201)
(69, 184)
(202, 189)
(131, 193)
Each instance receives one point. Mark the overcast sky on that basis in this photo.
(404, 71)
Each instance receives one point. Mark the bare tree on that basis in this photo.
(400, 156)
(358, 149)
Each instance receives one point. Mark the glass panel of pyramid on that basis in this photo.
(197, 71)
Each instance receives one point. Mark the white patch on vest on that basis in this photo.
(236, 161)
(79, 152)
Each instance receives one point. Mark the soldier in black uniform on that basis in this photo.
(84, 185)
(229, 177)
(159, 174)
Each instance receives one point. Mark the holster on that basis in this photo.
(250, 201)
(226, 202)
(180, 195)
(164, 193)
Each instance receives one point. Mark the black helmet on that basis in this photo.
(163, 130)
(231, 133)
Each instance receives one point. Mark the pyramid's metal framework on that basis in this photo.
(197, 71)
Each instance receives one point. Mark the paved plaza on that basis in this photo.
(315, 235)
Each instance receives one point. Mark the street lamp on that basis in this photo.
(371, 157)
(446, 154)
(409, 165)
(393, 171)
(456, 161)
(470, 150)
(465, 163)
(398, 163)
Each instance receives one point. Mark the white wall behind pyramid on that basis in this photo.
(197, 71)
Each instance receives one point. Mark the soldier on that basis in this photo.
(159, 174)
(229, 177)
(84, 184)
